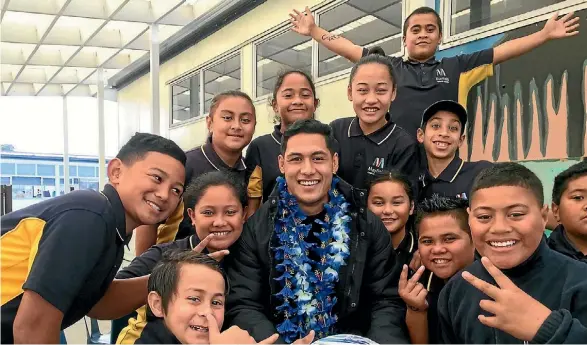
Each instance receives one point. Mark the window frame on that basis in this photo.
(200, 69)
(449, 40)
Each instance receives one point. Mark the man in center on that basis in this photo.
(313, 260)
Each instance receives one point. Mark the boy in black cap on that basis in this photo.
(442, 133)
(569, 205)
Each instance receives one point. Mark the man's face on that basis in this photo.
(444, 247)
(149, 188)
(200, 291)
(507, 224)
(308, 166)
(572, 210)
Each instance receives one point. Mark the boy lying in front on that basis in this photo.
(520, 290)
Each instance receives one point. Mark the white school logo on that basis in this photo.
(379, 163)
(441, 76)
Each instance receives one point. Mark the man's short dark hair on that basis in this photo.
(561, 181)
(309, 126)
(142, 143)
(165, 275)
(509, 174)
(444, 205)
(423, 10)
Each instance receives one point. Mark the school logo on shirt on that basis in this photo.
(441, 76)
(377, 166)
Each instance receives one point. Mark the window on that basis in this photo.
(366, 23)
(85, 171)
(7, 169)
(45, 170)
(26, 169)
(285, 51)
(5, 181)
(466, 15)
(186, 99)
(221, 77)
(72, 170)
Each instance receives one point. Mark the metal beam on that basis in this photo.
(4, 8)
(101, 130)
(154, 53)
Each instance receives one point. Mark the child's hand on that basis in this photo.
(218, 255)
(563, 27)
(411, 291)
(305, 340)
(515, 312)
(416, 261)
(302, 22)
(233, 335)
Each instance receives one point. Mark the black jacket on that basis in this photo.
(559, 241)
(553, 279)
(157, 333)
(368, 301)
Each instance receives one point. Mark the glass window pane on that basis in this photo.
(85, 171)
(7, 169)
(366, 23)
(286, 51)
(471, 14)
(222, 77)
(45, 170)
(26, 169)
(186, 99)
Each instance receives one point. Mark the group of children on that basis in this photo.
(60, 258)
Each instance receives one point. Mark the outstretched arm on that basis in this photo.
(304, 24)
(553, 29)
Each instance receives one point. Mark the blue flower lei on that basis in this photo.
(308, 286)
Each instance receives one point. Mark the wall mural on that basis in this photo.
(534, 107)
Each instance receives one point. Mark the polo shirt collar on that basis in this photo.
(119, 213)
(450, 173)
(408, 244)
(431, 61)
(277, 135)
(217, 162)
(379, 136)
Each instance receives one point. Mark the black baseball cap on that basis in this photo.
(445, 105)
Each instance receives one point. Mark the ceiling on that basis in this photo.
(54, 47)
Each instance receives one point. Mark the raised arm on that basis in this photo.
(553, 29)
(304, 24)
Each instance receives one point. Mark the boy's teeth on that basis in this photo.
(440, 261)
(220, 233)
(199, 329)
(153, 206)
(502, 244)
(308, 183)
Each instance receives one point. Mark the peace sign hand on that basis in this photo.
(411, 291)
(563, 27)
(515, 312)
(218, 255)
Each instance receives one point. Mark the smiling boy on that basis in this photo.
(520, 290)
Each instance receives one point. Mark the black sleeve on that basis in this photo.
(245, 307)
(561, 328)
(471, 61)
(387, 308)
(406, 158)
(445, 323)
(71, 245)
(142, 265)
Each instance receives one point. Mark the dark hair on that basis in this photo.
(509, 174)
(423, 10)
(561, 181)
(375, 55)
(165, 275)
(394, 176)
(229, 94)
(198, 187)
(279, 82)
(443, 205)
(309, 126)
(137, 147)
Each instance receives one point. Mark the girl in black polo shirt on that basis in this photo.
(294, 98)
(391, 198)
(231, 124)
(370, 143)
